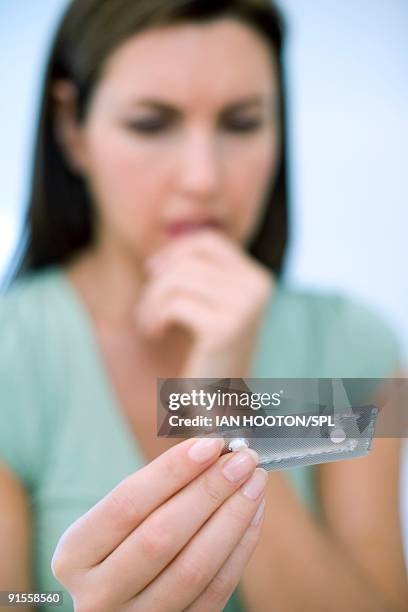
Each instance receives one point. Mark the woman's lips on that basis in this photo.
(183, 227)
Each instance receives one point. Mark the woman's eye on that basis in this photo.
(155, 125)
(243, 125)
(148, 126)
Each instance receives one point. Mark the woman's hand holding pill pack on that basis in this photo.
(175, 535)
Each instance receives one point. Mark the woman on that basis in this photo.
(156, 234)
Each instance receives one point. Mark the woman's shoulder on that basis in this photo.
(344, 332)
(26, 364)
(30, 290)
(326, 305)
(31, 320)
(26, 304)
(334, 310)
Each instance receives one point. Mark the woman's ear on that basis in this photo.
(68, 132)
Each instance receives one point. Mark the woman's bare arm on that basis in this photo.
(354, 560)
(15, 536)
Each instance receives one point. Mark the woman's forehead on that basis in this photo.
(223, 60)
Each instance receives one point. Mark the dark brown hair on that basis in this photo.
(59, 220)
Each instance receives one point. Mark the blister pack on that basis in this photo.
(350, 437)
(288, 422)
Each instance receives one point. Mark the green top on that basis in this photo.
(62, 431)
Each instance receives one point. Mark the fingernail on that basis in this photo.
(205, 448)
(253, 487)
(259, 513)
(241, 464)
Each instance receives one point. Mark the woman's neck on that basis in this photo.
(109, 282)
(109, 286)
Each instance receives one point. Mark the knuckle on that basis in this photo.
(211, 490)
(123, 507)
(173, 468)
(190, 571)
(155, 544)
(238, 514)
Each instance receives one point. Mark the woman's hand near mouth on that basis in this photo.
(205, 283)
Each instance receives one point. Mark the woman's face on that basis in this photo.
(182, 130)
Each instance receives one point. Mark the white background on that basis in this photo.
(348, 81)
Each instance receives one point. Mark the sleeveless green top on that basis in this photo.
(62, 432)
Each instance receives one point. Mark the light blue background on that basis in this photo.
(348, 81)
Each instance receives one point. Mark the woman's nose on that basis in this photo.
(200, 166)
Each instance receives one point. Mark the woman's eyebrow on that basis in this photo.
(252, 101)
(157, 105)
(170, 109)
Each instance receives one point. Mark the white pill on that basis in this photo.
(238, 443)
(337, 435)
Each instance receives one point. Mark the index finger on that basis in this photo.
(209, 242)
(94, 535)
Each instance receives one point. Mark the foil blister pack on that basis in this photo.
(351, 437)
(288, 422)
